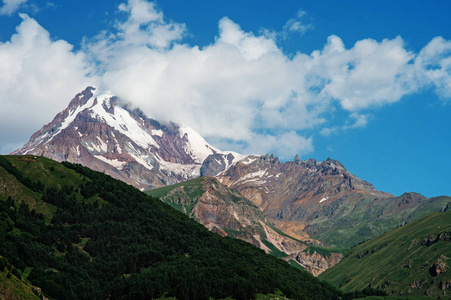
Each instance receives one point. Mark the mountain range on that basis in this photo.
(292, 209)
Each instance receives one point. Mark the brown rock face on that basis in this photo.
(227, 212)
(316, 263)
(283, 190)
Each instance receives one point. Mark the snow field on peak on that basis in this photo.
(72, 115)
(196, 147)
(124, 123)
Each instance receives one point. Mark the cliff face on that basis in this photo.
(316, 263)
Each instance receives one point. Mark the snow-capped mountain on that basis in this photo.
(99, 131)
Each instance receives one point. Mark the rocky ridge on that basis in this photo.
(323, 200)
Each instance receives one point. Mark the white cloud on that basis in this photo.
(146, 26)
(297, 24)
(241, 92)
(328, 131)
(11, 6)
(434, 63)
(369, 74)
(229, 90)
(284, 145)
(357, 121)
(37, 78)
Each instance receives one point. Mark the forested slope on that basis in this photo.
(79, 234)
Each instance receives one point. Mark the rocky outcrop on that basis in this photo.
(439, 266)
(432, 239)
(217, 207)
(272, 184)
(217, 163)
(316, 263)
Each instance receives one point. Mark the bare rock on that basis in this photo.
(439, 266)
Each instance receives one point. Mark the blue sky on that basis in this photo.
(366, 83)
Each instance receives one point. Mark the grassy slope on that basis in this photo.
(12, 287)
(352, 224)
(48, 172)
(397, 259)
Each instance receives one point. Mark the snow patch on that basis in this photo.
(185, 171)
(107, 103)
(158, 132)
(72, 115)
(118, 149)
(113, 162)
(236, 158)
(248, 160)
(26, 152)
(253, 177)
(141, 159)
(77, 151)
(324, 199)
(103, 147)
(196, 147)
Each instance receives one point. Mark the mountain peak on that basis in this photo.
(101, 131)
(81, 98)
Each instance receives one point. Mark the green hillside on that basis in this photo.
(365, 217)
(411, 260)
(78, 234)
(12, 285)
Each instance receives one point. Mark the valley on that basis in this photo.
(312, 215)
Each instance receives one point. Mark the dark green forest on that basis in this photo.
(106, 239)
